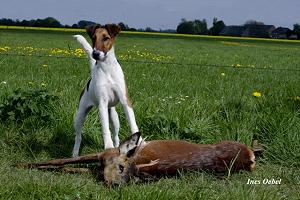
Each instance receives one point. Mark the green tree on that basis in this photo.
(74, 26)
(253, 22)
(84, 23)
(124, 27)
(217, 27)
(185, 27)
(297, 30)
(51, 22)
(192, 27)
(148, 29)
(200, 27)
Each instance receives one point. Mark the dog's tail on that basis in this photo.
(87, 48)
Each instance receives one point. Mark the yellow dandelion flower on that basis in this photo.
(238, 65)
(2, 49)
(256, 94)
(296, 98)
(79, 51)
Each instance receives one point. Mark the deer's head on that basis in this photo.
(120, 167)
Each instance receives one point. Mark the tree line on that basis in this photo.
(54, 23)
(200, 27)
(188, 27)
(185, 27)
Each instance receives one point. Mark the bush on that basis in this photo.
(21, 105)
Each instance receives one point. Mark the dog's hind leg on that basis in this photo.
(83, 110)
(115, 123)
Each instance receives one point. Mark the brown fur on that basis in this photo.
(103, 37)
(167, 157)
(188, 156)
(162, 157)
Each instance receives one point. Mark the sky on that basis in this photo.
(157, 14)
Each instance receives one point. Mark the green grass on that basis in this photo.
(177, 94)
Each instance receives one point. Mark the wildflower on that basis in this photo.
(256, 94)
(296, 98)
(45, 66)
(2, 49)
(222, 74)
(79, 52)
(238, 65)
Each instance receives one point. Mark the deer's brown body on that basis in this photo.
(160, 157)
(174, 155)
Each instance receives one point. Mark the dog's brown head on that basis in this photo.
(103, 38)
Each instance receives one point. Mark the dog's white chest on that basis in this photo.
(108, 84)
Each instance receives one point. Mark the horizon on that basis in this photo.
(137, 28)
(167, 15)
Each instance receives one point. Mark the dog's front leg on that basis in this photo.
(127, 106)
(130, 118)
(103, 109)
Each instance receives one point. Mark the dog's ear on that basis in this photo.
(91, 29)
(112, 29)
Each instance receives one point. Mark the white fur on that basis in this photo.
(106, 89)
(87, 48)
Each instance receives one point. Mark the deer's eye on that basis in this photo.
(121, 168)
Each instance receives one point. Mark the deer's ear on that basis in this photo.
(129, 146)
(91, 29)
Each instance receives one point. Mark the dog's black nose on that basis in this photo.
(96, 55)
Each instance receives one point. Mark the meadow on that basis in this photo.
(199, 89)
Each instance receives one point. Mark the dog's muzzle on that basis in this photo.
(98, 55)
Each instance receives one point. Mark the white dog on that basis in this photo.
(105, 88)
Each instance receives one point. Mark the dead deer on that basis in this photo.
(136, 158)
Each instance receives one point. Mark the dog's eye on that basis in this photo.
(106, 38)
(121, 168)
